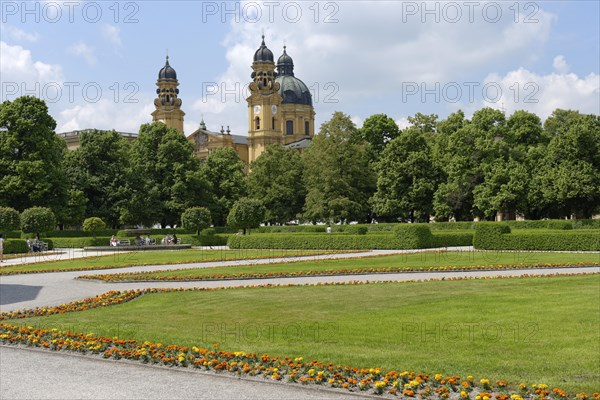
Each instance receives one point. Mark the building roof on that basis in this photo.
(299, 144)
(237, 139)
(167, 72)
(65, 135)
(292, 89)
(263, 54)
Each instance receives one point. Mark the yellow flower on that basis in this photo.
(438, 377)
(464, 394)
(470, 378)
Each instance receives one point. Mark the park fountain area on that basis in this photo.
(141, 242)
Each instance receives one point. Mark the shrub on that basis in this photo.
(69, 243)
(9, 219)
(414, 236)
(38, 220)
(196, 218)
(452, 239)
(205, 239)
(93, 225)
(15, 246)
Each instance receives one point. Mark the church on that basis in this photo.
(280, 109)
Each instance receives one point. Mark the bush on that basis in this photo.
(205, 239)
(246, 213)
(18, 246)
(79, 234)
(414, 236)
(38, 220)
(9, 219)
(93, 225)
(356, 230)
(452, 239)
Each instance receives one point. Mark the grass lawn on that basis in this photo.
(531, 330)
(124, 259)
(413, 261)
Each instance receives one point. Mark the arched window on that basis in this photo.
(273, 123)
(289, 127)
(257, 123)
(306, 128)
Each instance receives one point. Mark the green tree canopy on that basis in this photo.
(406, 178)
(246, 213)
(275, 179)
(99, 169)
(31, 172)
(164, 177)
(377, 131)
(224, 172)
(38, 220)
(10, 219)
(197, 218)
(338, 178)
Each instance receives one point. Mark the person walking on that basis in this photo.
(1, 247)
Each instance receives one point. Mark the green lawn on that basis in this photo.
(531, 330)
(166, 257)
(413, 261)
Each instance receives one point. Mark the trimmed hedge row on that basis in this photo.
(15, 246)
(347, 241)
(205, 239)
(495, 236)
(76, 242)
(76, 234)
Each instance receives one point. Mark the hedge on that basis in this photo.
(499, 237)
(77, 242)
(78, 234)
(290, 228)
(341, 241)
(205, 239)
(15, 246)
(413, 236)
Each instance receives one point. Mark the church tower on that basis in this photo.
(264, 116)
(168, 104)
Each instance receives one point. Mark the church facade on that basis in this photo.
(280, 110)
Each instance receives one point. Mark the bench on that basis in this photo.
(123, 242)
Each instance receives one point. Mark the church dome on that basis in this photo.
(285, 64)
(293, 90)
(263, 54)
(167, 72)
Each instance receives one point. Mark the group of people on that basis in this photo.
(34, 245)
(139, 241)
(169, 239)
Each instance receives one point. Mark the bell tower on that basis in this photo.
(168, 104)
(264, 116)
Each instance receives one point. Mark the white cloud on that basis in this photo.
(560, 64)
(403, 123)
(542, 94)
(19, 35)
(358, 121)
(21, 73)
(376, 59)
(105, 114)
(82, 49)
(112, 34)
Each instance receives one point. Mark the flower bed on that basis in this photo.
(143, 276)
(407, 384)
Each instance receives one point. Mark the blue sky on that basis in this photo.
(361, 58)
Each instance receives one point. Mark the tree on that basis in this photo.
(31, 173)
(337, 174)
(246, 213)
(74, 211)
(406, 179)
(9, 219)
(94, 225)
(197, 218)
(164, 177)
(224, 172)
(99, 169)
(38, 220)
(275, 179)
(377, 131)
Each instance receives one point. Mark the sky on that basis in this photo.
(96, 63)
